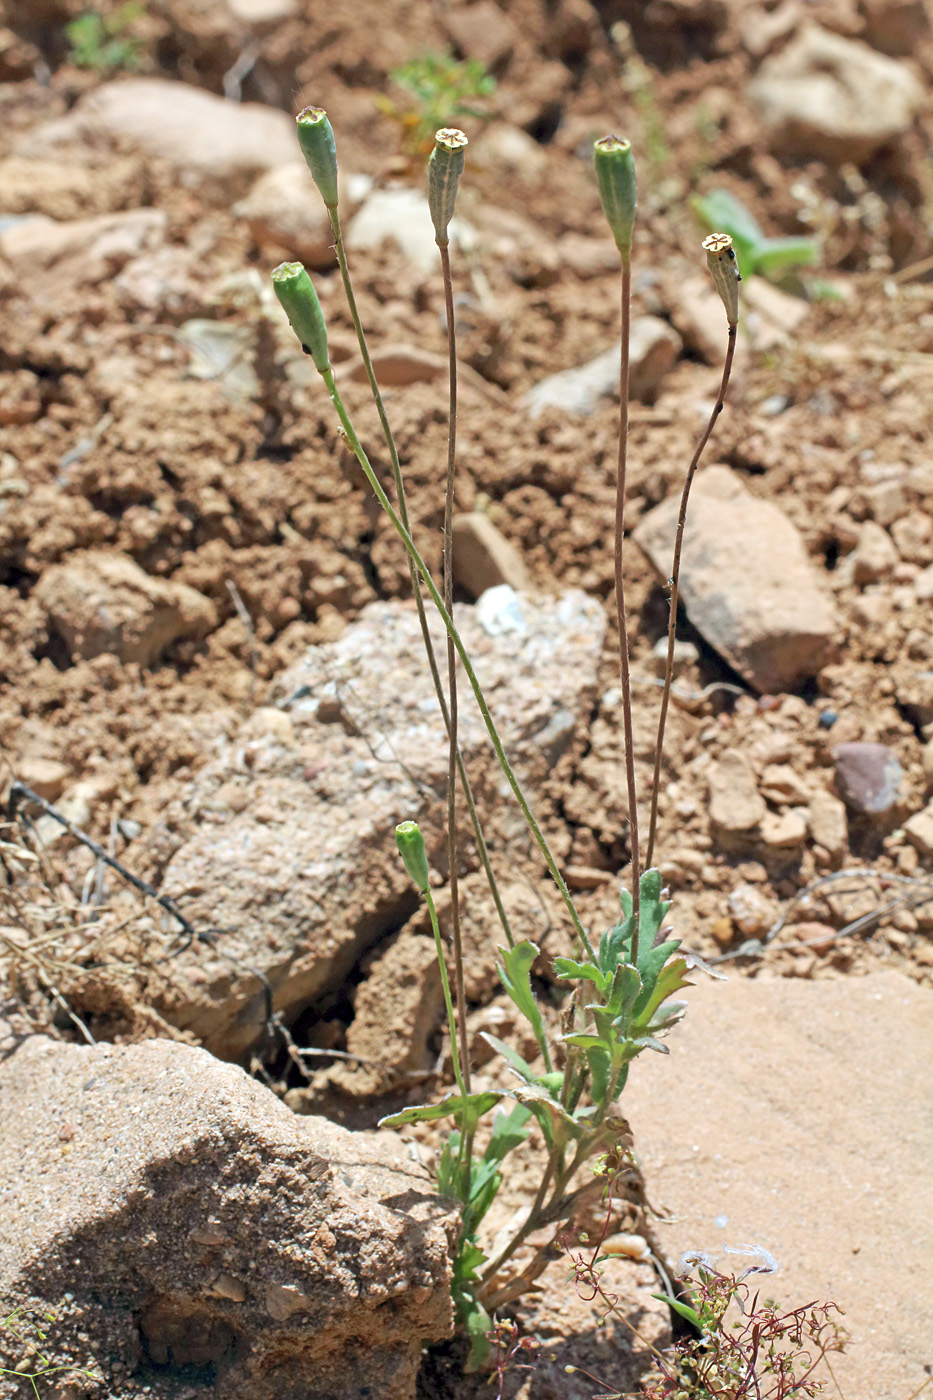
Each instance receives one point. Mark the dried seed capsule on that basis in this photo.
(615, 175)
(316, 139)
(410, 844)
(445, 167)
(724, 270)
(295, 291)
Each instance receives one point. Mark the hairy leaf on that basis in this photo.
(515, 975)
(467, 1109)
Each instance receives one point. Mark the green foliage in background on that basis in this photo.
(439, 87)
(101, 43)
(721, 212)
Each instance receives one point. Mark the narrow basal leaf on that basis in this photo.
(566, 967)
(512, 1057)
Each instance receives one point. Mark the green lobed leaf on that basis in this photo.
(584, 1040)
(515, 975)
(670, 979)
(626, 988)
(556, 1123)
(586, 971)
(650, 967)
(652, 913)
(467, 1109)
(616, 943)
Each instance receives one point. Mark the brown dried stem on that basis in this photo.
(675, 589)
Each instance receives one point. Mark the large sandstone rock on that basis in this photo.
(216, 145)
(797, 1116)
(835, 98)
(291, 854)
(99, 601)
(745, 581)
(189, 1233)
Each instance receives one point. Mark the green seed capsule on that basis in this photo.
(615, 175)
(410, 844)
(316, 139)
(724, 270)
(295, 291)
(445, 167)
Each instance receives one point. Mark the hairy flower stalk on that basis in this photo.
(724, 270)
(316, 139)
(615, 176)
(444, 169)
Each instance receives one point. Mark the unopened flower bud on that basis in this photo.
(316, 139)
(615, 175)
(445, 167)
(410, 844)
(724, 270)
(295, 291)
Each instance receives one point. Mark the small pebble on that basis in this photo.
(868, 777)
(629, 1246)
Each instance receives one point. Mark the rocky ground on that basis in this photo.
(207, 658)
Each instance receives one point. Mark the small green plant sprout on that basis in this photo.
(439, 87)
(756, 252)
(101, 42)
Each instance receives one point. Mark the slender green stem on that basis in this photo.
(675, 590)
(389, 436)
(458, 1053)
(492, 731)
(448, 581)
(624, 670)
